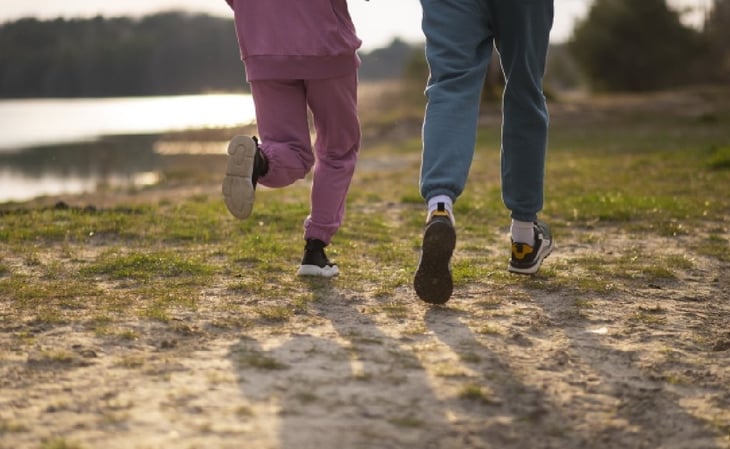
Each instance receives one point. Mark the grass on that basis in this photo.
(475, 393)
(7, 426)
(638, 204)
(631, 176)
(254, 359)
(406, 422)
(60, 443)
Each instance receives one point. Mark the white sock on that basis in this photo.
(448, 205)
(523, 232)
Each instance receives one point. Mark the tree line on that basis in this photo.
(166, 53)
(621, 45)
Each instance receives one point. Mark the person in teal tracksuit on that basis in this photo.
(460, 35)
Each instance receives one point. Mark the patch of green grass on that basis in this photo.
(104, 325)
(148, 265)
(490, 329)
(448, 370)
(406, 421)
(392, 309)
(243, 411)
(28, 290)
(476, 393)
(24, 337)
(648, 318)
(274, 313)
(388, 283)
(491, 302)
(470, 357)
(471, 269)
(7, 426)
(131, 361)
(60, 443)
(252, 358)
(719, 158)
(412, 198)
(247, 286)
(715, 246)
(64, 224)
(306, 397)
(54, 357)
(156, 310)
(624, 207)
(677, 379)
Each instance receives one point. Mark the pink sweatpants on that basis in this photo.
(281, 115)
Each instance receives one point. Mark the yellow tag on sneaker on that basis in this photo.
(521, 250)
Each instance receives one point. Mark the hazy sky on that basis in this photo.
(378, 21)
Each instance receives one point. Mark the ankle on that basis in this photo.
(523, 232)
(261, 162)
(314, 244)
(441, 203)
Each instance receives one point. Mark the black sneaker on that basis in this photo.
(433, 283)
(315, 261)
(527, 259)
(245, 165)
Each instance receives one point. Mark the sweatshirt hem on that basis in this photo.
(300, 67)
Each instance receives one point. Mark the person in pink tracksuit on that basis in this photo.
(299, 56)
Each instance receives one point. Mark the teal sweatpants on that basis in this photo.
(460, 35)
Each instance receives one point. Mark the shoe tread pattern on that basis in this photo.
(433, 282)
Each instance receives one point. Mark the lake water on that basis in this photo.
(46, 145)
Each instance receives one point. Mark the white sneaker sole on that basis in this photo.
(238, 189)
(314, 270)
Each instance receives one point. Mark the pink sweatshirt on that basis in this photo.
(295, 39)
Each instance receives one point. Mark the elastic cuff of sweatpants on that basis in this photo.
(524, 216)
(314, 234)
(439, 191)
(312, 231)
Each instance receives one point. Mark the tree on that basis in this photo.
(716, 33)
(635, 46)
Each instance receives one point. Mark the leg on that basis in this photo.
(522, 31)
(281, 117)
(334, 110)
(458, 49)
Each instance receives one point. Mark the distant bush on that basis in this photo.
(387, 63)
(716, 33)
(634, 45)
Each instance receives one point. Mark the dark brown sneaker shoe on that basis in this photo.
(433, 282)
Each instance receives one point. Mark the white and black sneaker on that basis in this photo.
(527, 259)
(315, 261)
(245, 165)
(433, 282)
